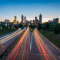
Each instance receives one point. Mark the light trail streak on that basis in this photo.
(17, 46)
(51, 55)
(41, 45)
(27, 40)
(45, 47)
(38, 45)
(20, 46)
(24, 47)
(40, 40)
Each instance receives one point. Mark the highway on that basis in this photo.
(33, 46)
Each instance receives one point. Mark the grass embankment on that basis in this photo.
(5, 31)
(54, 38)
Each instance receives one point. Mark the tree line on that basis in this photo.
(15, 26)
(55, 27)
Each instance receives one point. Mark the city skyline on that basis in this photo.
(49, 9)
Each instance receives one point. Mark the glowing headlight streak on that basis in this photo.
(38, 45)
(17, 46)
(50, 54)
(45, 47)
(24, 47)
(41, 46)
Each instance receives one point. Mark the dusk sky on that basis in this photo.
(30, 8)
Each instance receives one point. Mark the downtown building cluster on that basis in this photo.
(36, 21)
(7, 22)
(26, 22)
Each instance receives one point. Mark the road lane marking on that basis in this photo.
(30, 42)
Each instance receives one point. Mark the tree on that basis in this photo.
(31, 26)
(46, 25)
(20, 25)
(39, 26)
(3, 26)
(56, 28)
(51, 26)
(10, 26)
(15, 26)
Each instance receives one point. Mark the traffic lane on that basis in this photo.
(50, 47)
(15, 51)
(47, 53)
(24, 50)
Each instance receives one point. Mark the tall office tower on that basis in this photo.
(56, 20)
(22, 17)
(35, 18)
(36, 21)
(40, 18)
(15, 22)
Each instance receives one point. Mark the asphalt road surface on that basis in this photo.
(33, 46)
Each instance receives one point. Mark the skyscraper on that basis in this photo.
(36, 21)
(15, 22)
(56, 20)
(22, 17)
(40, 18)
(35, 18)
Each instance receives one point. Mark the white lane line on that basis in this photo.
(30, 46)
(50, 52)
(30, 42)
(29, 38)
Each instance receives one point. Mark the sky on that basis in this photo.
(30, 8)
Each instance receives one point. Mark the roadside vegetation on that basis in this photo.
(51, 32)
(5, 31)
(8, 29)
(54, 38)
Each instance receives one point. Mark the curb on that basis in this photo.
(51, 43)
